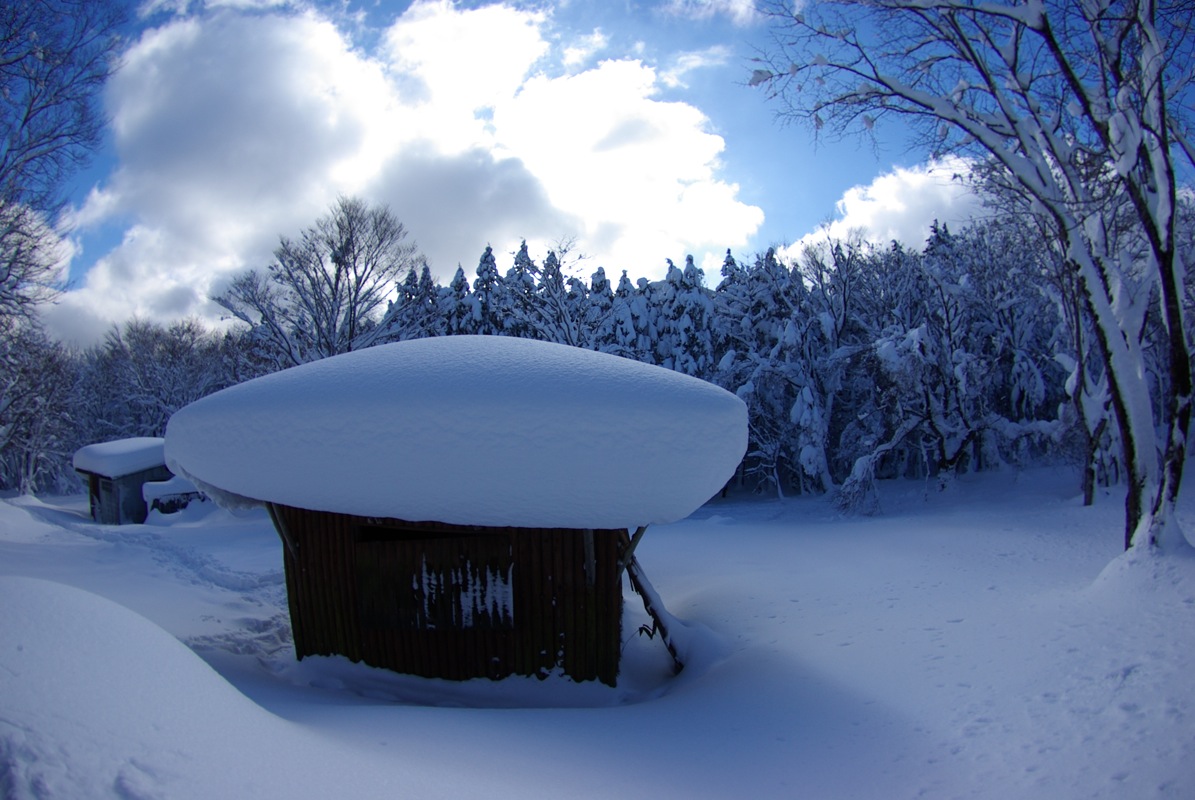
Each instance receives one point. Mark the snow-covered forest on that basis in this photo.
(1054, 327)
(857, 362)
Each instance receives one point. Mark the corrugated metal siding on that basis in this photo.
(118, 501)
(454, 602)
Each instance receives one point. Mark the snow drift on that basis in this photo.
(100, 702)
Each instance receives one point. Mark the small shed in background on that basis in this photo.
(116, 472)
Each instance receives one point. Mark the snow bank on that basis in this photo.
(99, 702)
(469, 430)
(121, 457)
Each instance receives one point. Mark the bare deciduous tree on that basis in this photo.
(323, 293)
(55, 56)
(30, 254)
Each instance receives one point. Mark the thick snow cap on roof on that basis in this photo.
(121, 457)
(469, 430)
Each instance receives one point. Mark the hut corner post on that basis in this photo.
(651, 600)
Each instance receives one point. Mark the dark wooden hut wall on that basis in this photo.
(454, 602)
(118, 501)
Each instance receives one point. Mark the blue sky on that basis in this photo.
(625, 126)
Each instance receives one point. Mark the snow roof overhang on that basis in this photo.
(121, 457)
(468, 430)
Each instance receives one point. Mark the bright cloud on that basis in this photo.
(639, 172)
(741, 12)
(228, 131)
(901, 205)
(585, 48)
(685, 63)
(465, 60)
(231, 129)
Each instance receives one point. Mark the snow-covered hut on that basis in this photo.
(116, 472)
(462, 507)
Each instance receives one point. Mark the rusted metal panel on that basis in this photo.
(451, 601)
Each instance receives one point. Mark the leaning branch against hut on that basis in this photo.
(660, 617)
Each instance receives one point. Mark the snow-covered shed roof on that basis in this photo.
(468, 430)
(120, 457)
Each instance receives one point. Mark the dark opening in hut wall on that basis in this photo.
(427, 580)
(454, 602)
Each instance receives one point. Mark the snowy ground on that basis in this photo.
(989, 641)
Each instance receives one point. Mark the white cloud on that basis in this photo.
(740, 12)
(232, 129)
(584, 49)
(465, 60)
(639, 172)
(683, 64)
(901, 205)
(229, 131)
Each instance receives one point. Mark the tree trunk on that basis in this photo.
(1120, 347)
(1089, 471)
(1163, 531)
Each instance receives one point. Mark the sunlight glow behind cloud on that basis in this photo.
(231, 129)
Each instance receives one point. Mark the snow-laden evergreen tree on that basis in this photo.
(645, 315)
(518, 296)
(759, 318)
(429, 298)
(416, 312)
(665, 344)
(684, 341)
(577, 302)
(486, 300)
(617, 333)
(599, 307)
(456, 306)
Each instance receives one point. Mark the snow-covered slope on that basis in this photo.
(469, 430)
